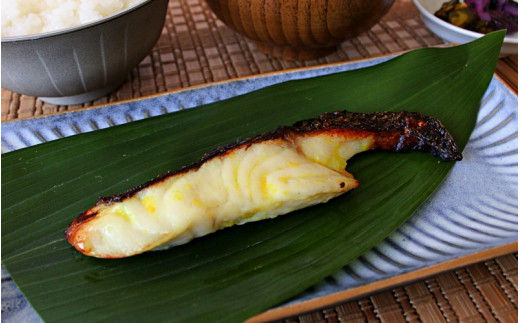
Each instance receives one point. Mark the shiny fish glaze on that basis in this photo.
(253, 179)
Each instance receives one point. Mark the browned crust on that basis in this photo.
(73, 234)
(394, 131)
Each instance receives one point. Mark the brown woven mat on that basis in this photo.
(196, 48)
(483, 292)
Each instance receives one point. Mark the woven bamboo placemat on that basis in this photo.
(196, 48)
(482, 292)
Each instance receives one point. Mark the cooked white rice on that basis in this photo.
(26, 17)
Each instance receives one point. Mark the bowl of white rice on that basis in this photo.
(74, 51)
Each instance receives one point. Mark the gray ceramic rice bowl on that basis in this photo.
(83, 63)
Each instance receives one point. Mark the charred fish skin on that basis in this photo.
(396, 131)
(252, 179)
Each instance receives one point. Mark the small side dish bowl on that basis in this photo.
(452, 34)
(299, 29)
(83, 63)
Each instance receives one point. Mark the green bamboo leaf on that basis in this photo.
(240, 271)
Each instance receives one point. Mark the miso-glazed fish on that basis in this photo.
(257, 178)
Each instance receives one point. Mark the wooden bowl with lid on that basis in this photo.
(299, 29)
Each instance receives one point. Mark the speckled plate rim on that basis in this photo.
(317, 302)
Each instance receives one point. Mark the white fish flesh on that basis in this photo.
(257, 178)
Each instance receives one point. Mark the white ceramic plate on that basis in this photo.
(453, 34)
(474, 209)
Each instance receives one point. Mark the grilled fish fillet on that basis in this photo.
(257, 178)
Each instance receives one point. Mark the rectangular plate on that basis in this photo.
(442, 230)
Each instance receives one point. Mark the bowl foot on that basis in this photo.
(81, 98)
(293, 53)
